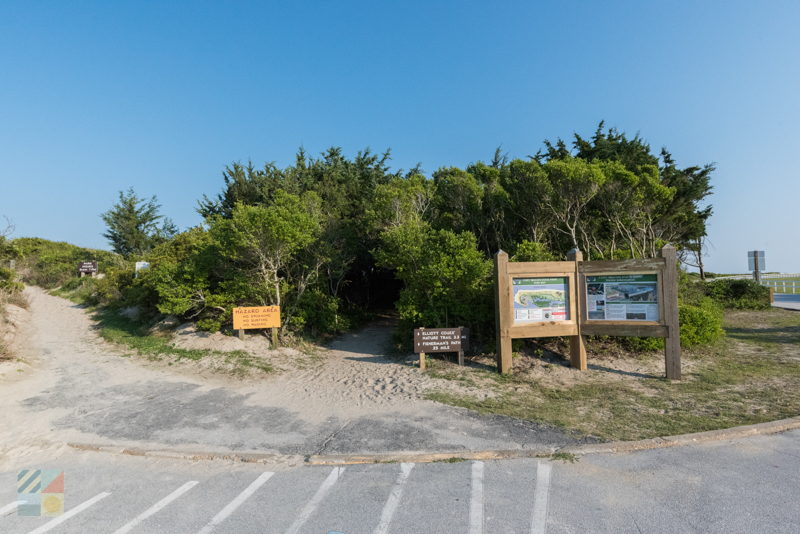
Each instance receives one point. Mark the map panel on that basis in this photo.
(538, 300)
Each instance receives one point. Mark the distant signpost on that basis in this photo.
(252, 317)
(428, 340)
(87, 267)
(756, 263)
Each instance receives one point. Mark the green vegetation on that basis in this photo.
(50, 264)
(739, 294)
(565, 457)
(10, 286)
(133, 225)
(751, 376)
(137, 337)
(331, 239)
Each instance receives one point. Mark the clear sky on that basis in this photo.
(96, 97)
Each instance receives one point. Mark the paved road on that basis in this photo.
(786, 301)
(747, 485)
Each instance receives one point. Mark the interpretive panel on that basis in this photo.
(539, 300)
(622, 297)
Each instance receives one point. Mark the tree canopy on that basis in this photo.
(133, 224)
(329, 237)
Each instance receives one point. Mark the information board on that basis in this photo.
(256, 317)
(87, 267)
(539, 300)
(622, 297)
(441, 339)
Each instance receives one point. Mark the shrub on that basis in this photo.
(533, 251)
(182, 281)
(8, 281)
(447, 281)
(700, 318)
(739, 294)
(320, 313)
(50, 264)
(700, 324)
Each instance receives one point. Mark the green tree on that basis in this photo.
(272, 246)
(446, 279)
(667, 205)
(133, 224)
(569, 187)
(185, 273)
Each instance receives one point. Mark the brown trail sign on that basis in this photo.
(87, 267)
(577, 298)
(427, 340)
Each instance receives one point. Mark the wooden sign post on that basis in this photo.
(579, 298)
(427, 340)
(251, 317)
(87, 267)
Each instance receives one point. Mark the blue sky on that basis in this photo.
(96, 97)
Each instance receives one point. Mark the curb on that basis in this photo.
(232, 456)
(614, 447)
(426, 457)
(772, 427)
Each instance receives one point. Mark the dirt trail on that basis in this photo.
(80, 389)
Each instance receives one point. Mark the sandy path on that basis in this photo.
(357, 374)
(80, 389)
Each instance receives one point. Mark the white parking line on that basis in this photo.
(476, 503)
(235, 503)
(66, 515)
(540, 496)
(157, 506)
(7, 509)
(327, 484)
(394, 499)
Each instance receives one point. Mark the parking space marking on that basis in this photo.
(66, 515)
(476, 502)
(540, 496)
(323, 490)
(9, 508)
(156, 507)
(394, 499)
(236, 503)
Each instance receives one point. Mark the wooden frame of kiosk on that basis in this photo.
(576, 298)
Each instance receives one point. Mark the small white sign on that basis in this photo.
(141, 265)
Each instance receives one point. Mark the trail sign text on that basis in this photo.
(256, 317)
(441, 339)
(87, 267)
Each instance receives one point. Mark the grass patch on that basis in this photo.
(136, 336)
(566, 457)
(752, 376)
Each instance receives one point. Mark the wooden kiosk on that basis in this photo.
(576, 298)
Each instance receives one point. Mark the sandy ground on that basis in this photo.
(78, 388)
